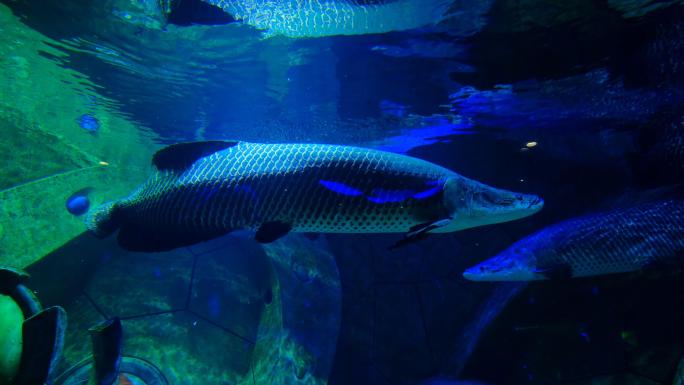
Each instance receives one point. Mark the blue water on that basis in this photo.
(579, 102)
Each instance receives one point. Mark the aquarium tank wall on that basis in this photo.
(342, 192)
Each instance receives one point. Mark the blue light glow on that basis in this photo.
(340, 188)
(389, 196)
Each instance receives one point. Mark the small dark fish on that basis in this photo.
(642, 236)
(78, 203)
(89, 123)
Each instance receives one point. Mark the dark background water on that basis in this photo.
(600, 89)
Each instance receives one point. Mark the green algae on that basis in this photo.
(42, 153)
(34, 217)
(48, 156)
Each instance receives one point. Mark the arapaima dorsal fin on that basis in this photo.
(179, 156)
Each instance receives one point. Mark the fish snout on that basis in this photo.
(500, 269)
(513, 206)
(474, 273)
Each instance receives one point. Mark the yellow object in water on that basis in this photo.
(531, 144)
(11, 320)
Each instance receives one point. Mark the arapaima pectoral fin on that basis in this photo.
(419, 232)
